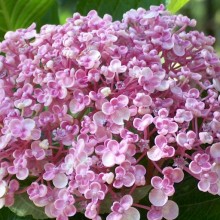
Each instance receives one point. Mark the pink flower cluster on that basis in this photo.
(94, 109)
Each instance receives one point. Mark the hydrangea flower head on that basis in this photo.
(94, 111)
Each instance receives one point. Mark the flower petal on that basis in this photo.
(108, 159)
(157, 197)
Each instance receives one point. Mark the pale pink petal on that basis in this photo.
(36, 134)
(120, 115)
(99, 118)
(126, 201)
(137, 124)
(120, 159)
(107, 108)
(164, 85)
(195, 168)
(178, 50)
(70, 210)
(108, 159)
(59, 204)
(157, 197)
(155, 214)
(147, 120)
(181, 139)
(29, 124)
(170, 210)
(113, 146)
(131, 214)
(215, 150)
(128, 179)
(22, 173)
(204, 185)
(177, 175)
(160, 141)
(156, 182)
(60, 180)
(115, 66)
(147, 72)
(173, 127)
(94, 54)
(114, 216)
(3, 188)
(74, 106)
(155, 153)
(123, 100)
(4, 140)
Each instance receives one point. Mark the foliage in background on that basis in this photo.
(21, 13)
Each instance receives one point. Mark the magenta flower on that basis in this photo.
(79, 102)
(142, 99)
(161, 149)
(43, 96)
(22, 128)
(122, 210)
(36, 191)
(63, 206)
(116, 67)
(175, 175)
(123, 178)
(9, 197)
(57, 90)
(114, 153)
(19, 168)
(139, 174)
(169, 211)
(90, 59)
(84, 175)
(69, 164)
(36, 151)
(206, 137)
(207, 179)
(186, 140)
(94, 192)
(183, 116)
(195, 106)
(66, 78)
(200, 163)
(149, 80)
(143, 123)
(105, 126)
(165, 126)
(163, 188)
(117, 109)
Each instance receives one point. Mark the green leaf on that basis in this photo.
(116, 8)
(194, 204)
(66, 9)
(16, 14)
(175, 5)
(51, 16)
(6, 214)
(24, 207)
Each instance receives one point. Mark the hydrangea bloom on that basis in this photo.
(84, 105)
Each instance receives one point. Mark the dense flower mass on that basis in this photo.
(92, 110)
